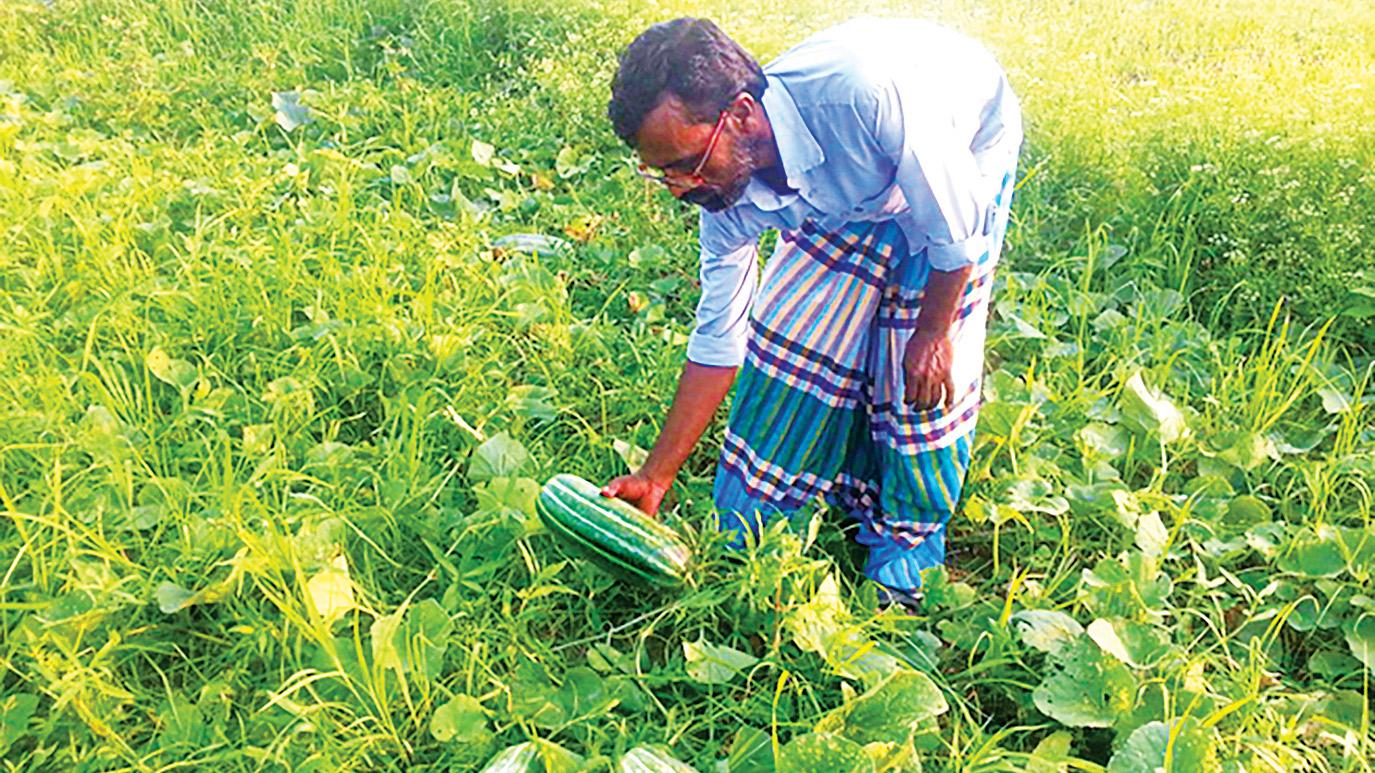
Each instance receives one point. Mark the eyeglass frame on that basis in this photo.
(696, 173)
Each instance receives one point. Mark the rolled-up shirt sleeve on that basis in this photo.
(951, 203)
(729, 274)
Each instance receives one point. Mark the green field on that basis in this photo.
(276, 403)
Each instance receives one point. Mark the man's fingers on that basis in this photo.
(909, 389)
(926, 395)
(949, 392)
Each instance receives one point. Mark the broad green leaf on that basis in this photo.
(181, 723)
(1106, 440)
(1335, 664)
(1246, 510)
(649, 256)
(1360, 637)
(855, 656)
(1151, 410)
(1023, 328)
(583, 692)
(1266, 538)
(890, 711)
(330, 591)
(813, 624)
(1051, 755)
(569, 163)
(534, 698)
(483, 153)
(1151, 749)
(1151, 534)
(257, 439)
(714, 664)
(317, 542)
(893, 757)
(99, 420)
(1127, 508)
(535, 402)
(751, 751)
(1300, 440)
(502, 456)
(814, 752)
(1086, 688)
(413, 642)
(15, 711)
(289, 111)
(462, 720)
(1247, 450)
(172, 597)
(1314, 553)
(288, 396)
(1335, 401)
(1047, 630)
(607, 659)
(1137, 644)
(498, 495)
(178, 373)
(1114, 589)
(631, 454)
(1036, 495)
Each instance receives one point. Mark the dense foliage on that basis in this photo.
(282, 379)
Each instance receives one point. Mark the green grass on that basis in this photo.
(274, 405)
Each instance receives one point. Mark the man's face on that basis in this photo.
(673, 143)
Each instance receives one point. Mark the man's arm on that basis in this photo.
(701, 388)
(714, 352)
(928, 356)
(953, 203)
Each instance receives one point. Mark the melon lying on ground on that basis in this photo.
(615, 534)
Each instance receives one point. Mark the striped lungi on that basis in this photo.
(819, 411)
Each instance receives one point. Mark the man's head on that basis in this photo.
(686, 98)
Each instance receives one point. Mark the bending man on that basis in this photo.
(883, 152)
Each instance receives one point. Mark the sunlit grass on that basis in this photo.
(247, 371)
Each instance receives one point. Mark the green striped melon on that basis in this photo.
(615, 534)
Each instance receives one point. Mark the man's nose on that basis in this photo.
(677, 188)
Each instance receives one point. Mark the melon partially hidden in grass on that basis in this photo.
(613, 533)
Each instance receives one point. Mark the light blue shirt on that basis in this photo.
(874, 119)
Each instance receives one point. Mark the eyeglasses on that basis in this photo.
(696, 173)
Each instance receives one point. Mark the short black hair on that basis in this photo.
(689, 58)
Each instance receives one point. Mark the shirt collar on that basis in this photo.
(797, 148)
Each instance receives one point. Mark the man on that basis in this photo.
(883, 152)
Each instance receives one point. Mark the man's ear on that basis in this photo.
(742, 107)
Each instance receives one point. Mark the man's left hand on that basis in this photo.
(926, 365)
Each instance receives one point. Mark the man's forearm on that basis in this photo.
(701, 389)
(941, 300)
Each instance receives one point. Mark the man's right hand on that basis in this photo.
(701, 389)
(638, 489)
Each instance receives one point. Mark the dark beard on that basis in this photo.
(711, 198)
(714, 198)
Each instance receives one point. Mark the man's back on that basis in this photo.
(939, 74)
